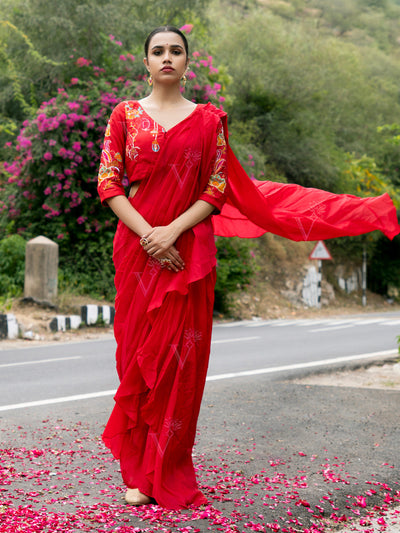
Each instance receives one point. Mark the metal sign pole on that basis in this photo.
(319, 290)
(364, 277)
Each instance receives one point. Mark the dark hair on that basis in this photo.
(165, 29)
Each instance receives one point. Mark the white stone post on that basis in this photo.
(41, 270)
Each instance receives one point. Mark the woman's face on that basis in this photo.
(166, 61)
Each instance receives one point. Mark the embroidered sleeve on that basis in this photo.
(215, 191)
(111, 171)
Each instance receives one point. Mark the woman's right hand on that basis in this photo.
(172, 260)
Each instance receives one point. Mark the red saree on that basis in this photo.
(163, 319)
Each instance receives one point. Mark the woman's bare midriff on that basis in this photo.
(133, 190)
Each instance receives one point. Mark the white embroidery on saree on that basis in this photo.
(317, 211)
(172, 426)
(192, 157)
(151, 272)
(190, 338)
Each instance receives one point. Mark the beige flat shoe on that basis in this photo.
(135, 497)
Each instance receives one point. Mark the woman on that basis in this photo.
(177, 160)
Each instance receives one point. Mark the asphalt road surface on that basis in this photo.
(43, 374)
(269, 452)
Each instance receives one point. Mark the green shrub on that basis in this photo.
(12, 265)
(89, 268)
(235, 269)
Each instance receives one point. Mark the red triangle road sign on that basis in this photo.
(320, 251)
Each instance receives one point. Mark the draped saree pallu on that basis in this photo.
(163, 319)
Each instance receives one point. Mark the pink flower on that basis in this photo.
(196, 54)
(361, 501)
(82, 62)
(74, 81)
(76, 146)
(48, 156)
(118, 43)
(81, 220)
(47, 191)
(186, 28)
(24, 142)
(52, 142)
(60, 236)
(111, 37)
(122, 57)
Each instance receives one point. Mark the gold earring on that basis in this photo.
(184, 80)
(150, 80)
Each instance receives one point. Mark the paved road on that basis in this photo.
(87, 368)
(269, 451)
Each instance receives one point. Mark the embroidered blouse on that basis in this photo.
(132, 141)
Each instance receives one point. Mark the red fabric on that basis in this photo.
(163, 323)
(298, 213)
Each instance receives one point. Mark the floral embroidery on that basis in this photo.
(132, 111)
(110, 167)
(217, 182)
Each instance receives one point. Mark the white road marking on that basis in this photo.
(331, 328)
(238, 339)
(298, 322)
(233, 324)
(22, 363)
(217, 377)
(299, 366)
(62, 399)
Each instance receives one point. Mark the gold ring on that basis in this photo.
(165, 261)
(143, 241)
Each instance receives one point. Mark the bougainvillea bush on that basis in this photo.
(49, 183)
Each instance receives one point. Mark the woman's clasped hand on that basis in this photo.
(158, 243)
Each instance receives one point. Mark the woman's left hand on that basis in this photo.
(160, 239)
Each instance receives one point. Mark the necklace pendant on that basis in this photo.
(155, 146)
